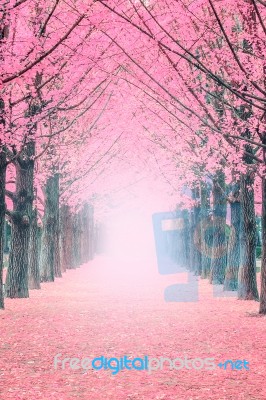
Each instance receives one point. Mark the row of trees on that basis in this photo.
(217, 238)
(55, 87)
(176, 87)
(204, 78)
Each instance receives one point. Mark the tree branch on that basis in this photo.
(47, 53)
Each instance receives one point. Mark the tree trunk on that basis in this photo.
(185, 238)
(69, 240)
(6, 237)
(197, 241)
(76, 248)
(34, 273)
(49, 247)
(206, 230)
(2, 220)
(262, 309)
(192, 230)
(62, 237)
(85, 255)
(17, 276)
(233, 254)
(218, 262)
(57, 266)
(91, 233)
(195, 234)
(66, 238)
(247, 284)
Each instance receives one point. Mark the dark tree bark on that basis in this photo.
(175, 241)
(91, 233)
(49, 246)
(6, 237)
(70, 240)
(76, 248)
(62, 237)
(262, 309)
(247, 283)
(195, 234)
(197, 237)
(192, 230)
(17, 276)
(185, 243)
(2, 220)
(218, 262)
(206, 231)
(85, 244)
(34, 272)
(57, 266)
(233, 251)
(66, 238)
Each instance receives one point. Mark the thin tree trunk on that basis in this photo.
(233, 255)
(197, 240)
(34, 273)
(185, 238)
(247, 283)
(57, 271)
(6, 235)
(181, 255)
(2, 220)
(206, 228)
(63, 213)
(195, 235)
(69, 240)
(218, 262)
(57, 266)
(192, 231)
(76, 248)
(85, 233)
(262, 309)
(91, 233)
(49, 252)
